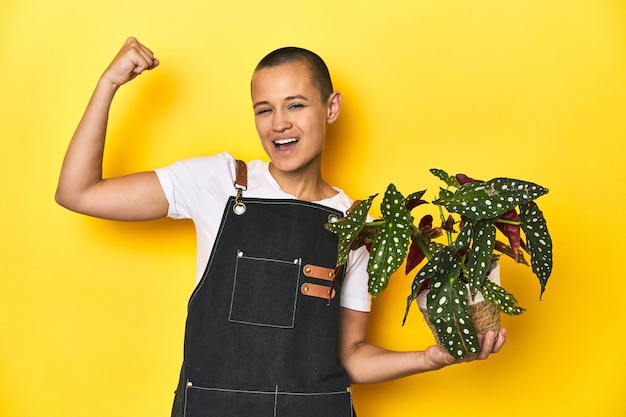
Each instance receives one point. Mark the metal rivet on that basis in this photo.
(331, 274)
(189, 384)
(305, 288)
(307, 269)
(240, 254)
(239, 208)
(297, 261)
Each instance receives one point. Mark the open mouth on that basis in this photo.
(284, 144)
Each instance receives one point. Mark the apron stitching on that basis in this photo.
(276, 392)
(185, 404)
(297, 261)
(270, 259)
(212, 256)
(296, 203)
(351, 405)
(275, 400)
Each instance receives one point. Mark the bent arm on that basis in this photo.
(367, 363)
(81, 187)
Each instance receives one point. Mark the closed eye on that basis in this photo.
(262, 111)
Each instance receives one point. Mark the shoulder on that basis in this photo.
(200, 169)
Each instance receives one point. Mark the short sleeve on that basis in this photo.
(354, 294)
(184, 181)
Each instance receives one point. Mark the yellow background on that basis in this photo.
(92, 312)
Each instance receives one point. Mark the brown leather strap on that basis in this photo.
(320, 291)
(241, 174)
(327, 274)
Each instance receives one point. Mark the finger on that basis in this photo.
(148, 56)
(487, 345)
(500, 341)
(143, 61)
(141, 57)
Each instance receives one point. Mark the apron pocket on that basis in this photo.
(221, 402)
(271, 402)
(265, 291)
(335, 404)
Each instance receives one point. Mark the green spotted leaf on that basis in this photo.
(450, 180)
(448, 311)
(444, 194)
(442, 259)
(489, 200)
(464, 239)
(391, 243)
(505, 249)
(348, 228)
(365, 237)
(479, 258)
(503, 300)
(538, 241)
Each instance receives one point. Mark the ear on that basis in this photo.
(333, 107)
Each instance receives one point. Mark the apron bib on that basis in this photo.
(262, 325)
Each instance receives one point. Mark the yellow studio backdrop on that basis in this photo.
(92, 311)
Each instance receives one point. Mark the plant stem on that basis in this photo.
(423, 247)
(443, 221)
(507, 222)
(375, 223)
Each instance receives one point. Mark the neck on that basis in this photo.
(307, 186)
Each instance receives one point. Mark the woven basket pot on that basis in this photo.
(484, 314)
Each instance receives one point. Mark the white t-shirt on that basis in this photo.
(199, 188)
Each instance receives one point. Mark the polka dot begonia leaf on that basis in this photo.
(426, 274)
(447, 306)
(390, 246)
(348, 228)
(490, 199)
(464, 239)
(450, 180)
(498, 296)
(538, 241)
(479, 258)
(443, 262)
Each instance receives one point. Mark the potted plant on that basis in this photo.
(457, 262)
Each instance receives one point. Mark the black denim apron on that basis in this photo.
(262, 325)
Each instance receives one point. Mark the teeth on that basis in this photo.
(285, 141)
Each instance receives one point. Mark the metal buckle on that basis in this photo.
(239, 208)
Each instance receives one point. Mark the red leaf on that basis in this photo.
(448, 225)
(426, 221)
(463, 179)
(414, 258)
(511, 231)
(416, 254)
(411, 204)
(426, 228)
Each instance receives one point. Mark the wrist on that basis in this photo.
(107, 84)
(435, 358)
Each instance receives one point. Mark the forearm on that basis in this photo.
(82, 166)
(367, 363)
